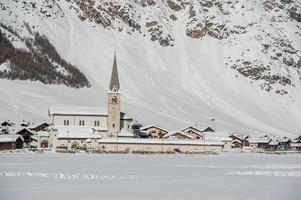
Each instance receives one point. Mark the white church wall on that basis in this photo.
(60, 120)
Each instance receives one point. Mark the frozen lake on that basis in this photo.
(91, 176)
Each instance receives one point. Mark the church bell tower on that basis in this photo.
(114, 100)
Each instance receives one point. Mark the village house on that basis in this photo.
(27, 134)
(11, 141)
(259, 143)
(239, 141)
(194, 132)
(222, 137)
(178, 135)
(154, 131)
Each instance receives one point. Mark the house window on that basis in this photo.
(96, 123)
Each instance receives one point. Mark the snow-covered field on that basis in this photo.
(84, 176)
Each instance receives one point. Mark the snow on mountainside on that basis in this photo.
(180, 62)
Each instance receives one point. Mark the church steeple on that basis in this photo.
(114, 101)
(114, 82)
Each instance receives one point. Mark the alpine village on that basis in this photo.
(110, 130)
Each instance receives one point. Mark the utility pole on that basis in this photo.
(67, 140)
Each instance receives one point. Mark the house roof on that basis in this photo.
(259, 140)
(274, 142)
(25, 129)
(177, 132)
(153, 126)
(220, 136)
(6, 123)
(203, 128)
(191, 127)
(238, 136)
(10, 138)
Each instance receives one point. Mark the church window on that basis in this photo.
(66, 122)
(81, 122)
(113, 125)
(96, 123)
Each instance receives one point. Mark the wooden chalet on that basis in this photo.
(27, 135)
(11, 141)
(194, 132)
(239, 141)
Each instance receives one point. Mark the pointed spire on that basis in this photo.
(114, 83)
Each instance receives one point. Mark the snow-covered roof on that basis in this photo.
(239, 136)
(83, 110)
(220, 136)
(203, 128)
(125, 133)
(153, 126)
(172, 134)
(159, 141)
(274, 142)
(18, 130)
(191, 128)
(10, 138)
(77, 110)
(76, 132)
(259, 140)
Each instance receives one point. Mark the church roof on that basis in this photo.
(77, 110)
(114, 83)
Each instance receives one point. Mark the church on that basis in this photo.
(110, 130)
(79, 123)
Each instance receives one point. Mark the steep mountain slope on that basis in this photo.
(180, 62)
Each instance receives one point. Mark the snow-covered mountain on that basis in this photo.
(181, 62)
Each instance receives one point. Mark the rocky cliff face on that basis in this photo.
(270, 58)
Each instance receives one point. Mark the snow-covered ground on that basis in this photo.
(91, 176)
